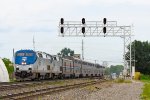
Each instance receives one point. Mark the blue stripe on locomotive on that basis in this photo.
(26, 56)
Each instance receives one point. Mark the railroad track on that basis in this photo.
(16, 85)
(44, 91)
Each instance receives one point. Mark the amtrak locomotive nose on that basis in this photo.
(24, 59)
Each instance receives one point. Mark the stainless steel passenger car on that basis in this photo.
(74, 67)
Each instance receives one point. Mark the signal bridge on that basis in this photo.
(93, 28)
(102, 28)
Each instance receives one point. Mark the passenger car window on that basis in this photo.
(48, 67)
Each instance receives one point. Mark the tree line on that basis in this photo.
(141, 50)
(114, 69)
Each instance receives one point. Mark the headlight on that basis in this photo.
(23, 63)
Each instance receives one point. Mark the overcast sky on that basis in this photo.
(21, 19)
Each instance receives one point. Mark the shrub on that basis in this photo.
(137, 76)
(121, 80)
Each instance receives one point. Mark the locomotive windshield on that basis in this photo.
(24, 54)
(25, 57)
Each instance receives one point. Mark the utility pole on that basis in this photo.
(95, 61)
(82, 50)
(13, 57)
(105, 64)
(33, 43)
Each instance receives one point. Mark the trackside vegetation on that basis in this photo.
(121, 80)
(146, 89)
(9, 66)
(142, 55)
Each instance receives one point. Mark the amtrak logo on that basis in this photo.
(24, 59)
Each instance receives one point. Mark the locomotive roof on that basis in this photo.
(74, 58)
(25, 50)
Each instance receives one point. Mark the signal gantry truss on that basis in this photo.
(99, 29)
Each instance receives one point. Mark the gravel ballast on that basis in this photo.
(122, 91)
(102, 91)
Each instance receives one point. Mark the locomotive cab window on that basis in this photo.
(20, 54)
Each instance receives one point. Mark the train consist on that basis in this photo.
(32, 65)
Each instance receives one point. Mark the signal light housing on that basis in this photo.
(62, 21)
(62, 29)
(104, 21)
(83, 20)
(83, 30)
(104, 30)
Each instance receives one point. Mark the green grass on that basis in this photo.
(145, 78)
(146, 92)
(120, 80)
(146, 89)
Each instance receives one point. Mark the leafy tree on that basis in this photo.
(142, 56)
(8, 65)
(66, 52)
(107, 71)
(114, 69)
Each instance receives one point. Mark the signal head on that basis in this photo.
(104, 30)
(83, 20)
(62, 21)
(104, 21)
(83, 30)
(62, 30)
